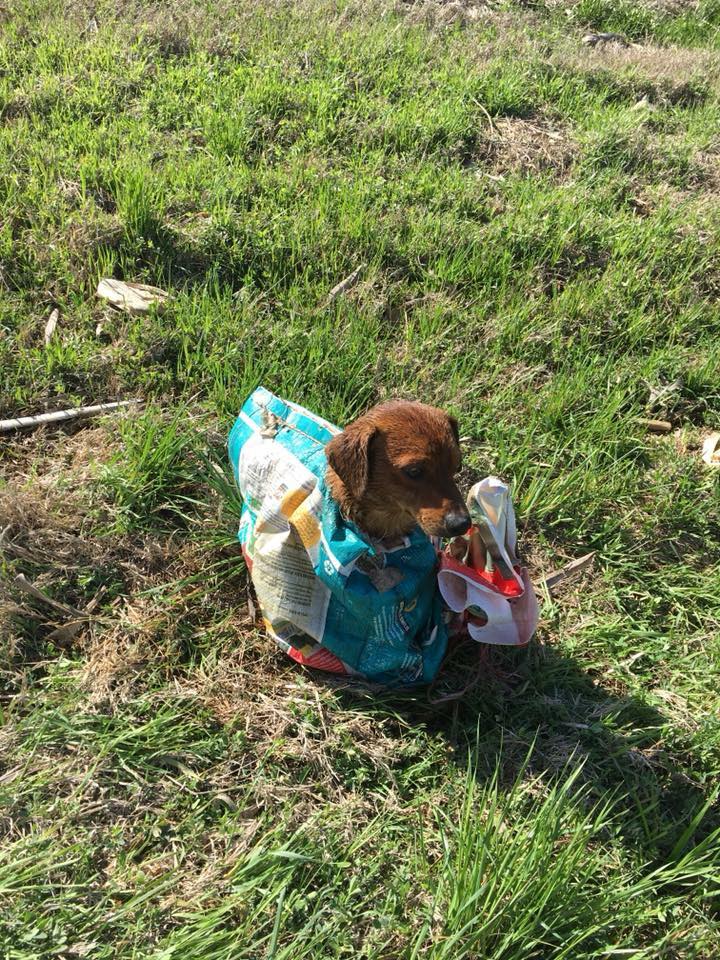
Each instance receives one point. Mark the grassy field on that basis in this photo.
(536, 223)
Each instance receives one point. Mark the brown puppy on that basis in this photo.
(394, 467)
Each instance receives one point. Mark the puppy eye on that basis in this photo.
(414, 473)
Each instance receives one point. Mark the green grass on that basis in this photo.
(536, 223)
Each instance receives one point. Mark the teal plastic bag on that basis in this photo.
(330, 596)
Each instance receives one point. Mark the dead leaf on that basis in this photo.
(50, 325)
(657, 395)
(135, 298)
(66, 633)
(226, 800)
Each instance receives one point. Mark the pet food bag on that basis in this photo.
(331, 597)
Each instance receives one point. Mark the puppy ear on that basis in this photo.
(349, 455)
(455, 427)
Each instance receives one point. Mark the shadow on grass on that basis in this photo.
(541, 703)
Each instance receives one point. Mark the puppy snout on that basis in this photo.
(457, 522)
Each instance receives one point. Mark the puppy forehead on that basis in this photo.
(414, 430)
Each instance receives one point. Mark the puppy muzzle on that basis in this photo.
(456, 522)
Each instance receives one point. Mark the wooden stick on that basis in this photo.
(654, 426)
(575, 566)
(58, 416)
(346, 283)
(22, 583)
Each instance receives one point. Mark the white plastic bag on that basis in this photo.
(497, 602)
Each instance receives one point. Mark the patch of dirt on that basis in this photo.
(159, 616)
(670, 74)
(707, 164)
(152, 597)
(45, 514)
(672, 7)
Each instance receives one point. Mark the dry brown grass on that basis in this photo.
(530, 145)
(439, 14)
(55, 525)
(664, 6)
(44, 510)
(672, 74)
(667, 73)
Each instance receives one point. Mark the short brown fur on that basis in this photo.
(371, 467)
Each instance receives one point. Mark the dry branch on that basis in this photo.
(569, 570)
(58, 416)
(345, 284)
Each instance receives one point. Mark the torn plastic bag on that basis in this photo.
(492, 593)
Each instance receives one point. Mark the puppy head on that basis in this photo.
(394, 468)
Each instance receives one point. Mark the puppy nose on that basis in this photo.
(457, 522)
